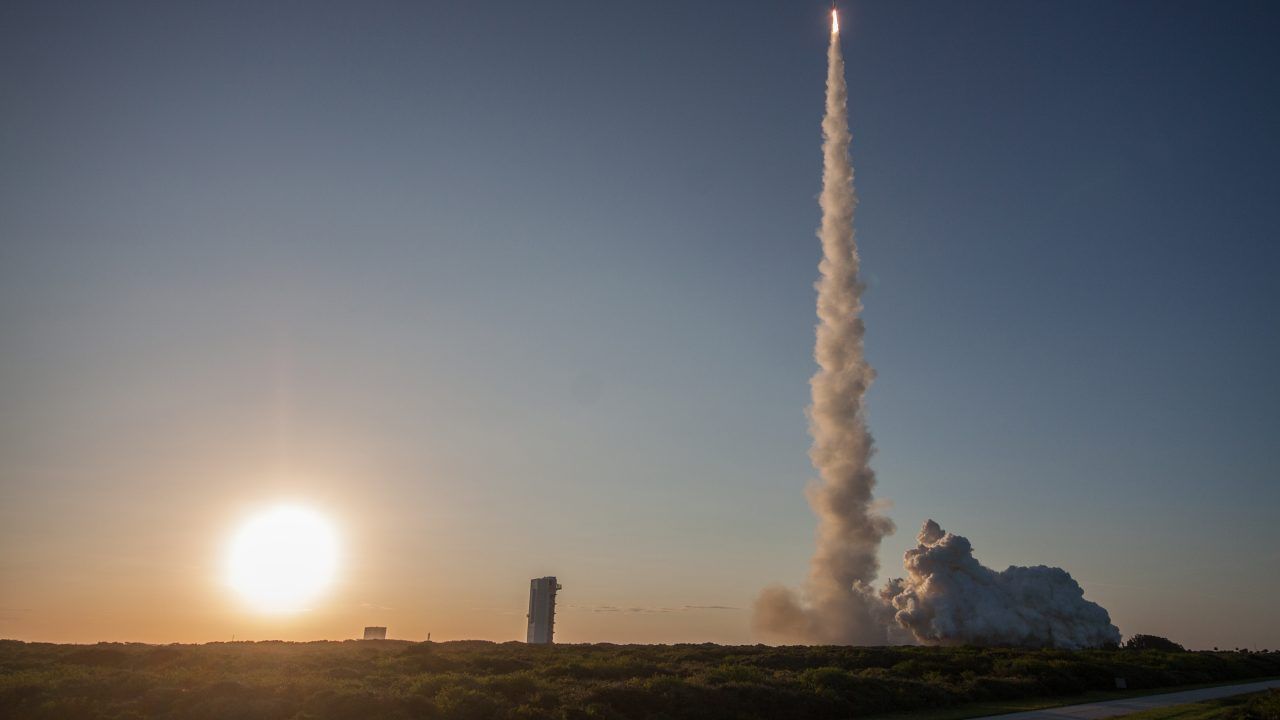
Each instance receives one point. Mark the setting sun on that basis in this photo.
(282, 559)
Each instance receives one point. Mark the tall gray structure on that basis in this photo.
(542, 609)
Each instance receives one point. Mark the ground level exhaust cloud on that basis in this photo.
(949, 598)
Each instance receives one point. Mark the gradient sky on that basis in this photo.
(521, 288)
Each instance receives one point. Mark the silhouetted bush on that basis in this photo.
(1152, 642)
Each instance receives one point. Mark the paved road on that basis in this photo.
(1111, 708)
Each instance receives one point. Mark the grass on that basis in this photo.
(513, 681)
(1004, 707)
(1255, 706)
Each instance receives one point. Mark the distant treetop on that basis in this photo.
(1152, 642)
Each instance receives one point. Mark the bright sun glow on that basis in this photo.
(283, 558)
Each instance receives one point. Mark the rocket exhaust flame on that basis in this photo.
(835, 22)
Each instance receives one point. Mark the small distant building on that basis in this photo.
(542, 610)
(375, 633)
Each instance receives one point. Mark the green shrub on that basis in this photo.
(1152, 642)
(392, 679)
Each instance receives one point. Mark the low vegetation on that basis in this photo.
(1257, 706)
(464, 680)
(1152, 642)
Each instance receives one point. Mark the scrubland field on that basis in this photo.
(1257, 706)
(395, 679)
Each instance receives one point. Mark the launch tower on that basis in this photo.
(542, 609)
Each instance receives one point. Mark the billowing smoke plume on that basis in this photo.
(948, 597)
(838, 603)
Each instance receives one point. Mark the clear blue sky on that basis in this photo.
(519, 288)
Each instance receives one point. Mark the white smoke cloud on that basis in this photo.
(948, 597)
(838, 604)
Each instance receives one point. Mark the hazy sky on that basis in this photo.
(510, 289)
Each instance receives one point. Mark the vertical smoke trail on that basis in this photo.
(839, 604)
